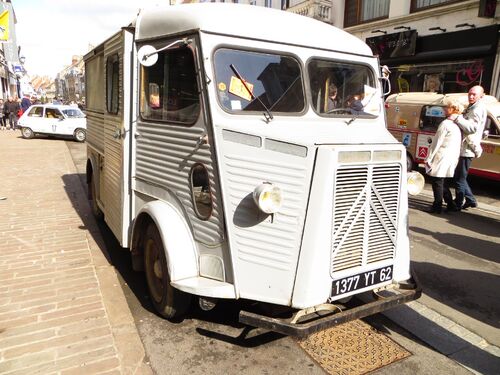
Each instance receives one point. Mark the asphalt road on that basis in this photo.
(456, 258)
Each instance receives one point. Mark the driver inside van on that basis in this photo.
(333, 101)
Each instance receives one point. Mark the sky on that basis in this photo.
(50, 32)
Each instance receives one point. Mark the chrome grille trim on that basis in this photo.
(365, 212)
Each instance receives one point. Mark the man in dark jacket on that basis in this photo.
(25, 103)
(11, 107)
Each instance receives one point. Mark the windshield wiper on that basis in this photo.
(286, 91)
(268, 115)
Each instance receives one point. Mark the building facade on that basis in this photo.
(12, 72)
(429, 45)
(70, 82)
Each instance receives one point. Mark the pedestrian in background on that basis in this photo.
(3, 124)
(472, 124)
(443, 157)
(25, 103)
(11, 107)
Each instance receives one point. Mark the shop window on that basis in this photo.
(361, 11)
(112, 83)
(443, 78)
(169, 89)
(418, 5)
(200, 188)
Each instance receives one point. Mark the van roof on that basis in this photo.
(246, 21)
(431, 98)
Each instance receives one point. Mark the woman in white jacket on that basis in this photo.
(443, 158)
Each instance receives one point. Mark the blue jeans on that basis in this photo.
(462, 189)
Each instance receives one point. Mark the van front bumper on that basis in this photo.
(319, 320)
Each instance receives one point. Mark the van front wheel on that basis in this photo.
(168, 302)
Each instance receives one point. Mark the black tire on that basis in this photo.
(410, 164)
(98, 214)
(27, 133)
(169, 302)
(80, 135)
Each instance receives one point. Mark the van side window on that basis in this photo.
(431, 117)
(491, 130)
(270, 81)
(112, 82)
(200, 188)
(169, 89)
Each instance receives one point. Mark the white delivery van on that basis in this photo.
(241, 153)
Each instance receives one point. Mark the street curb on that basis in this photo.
(128, 344)
(449, 338)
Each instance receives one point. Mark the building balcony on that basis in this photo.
(318, 9)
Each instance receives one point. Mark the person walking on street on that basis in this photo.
(472, 124)
(25, 103)
(11, 107)
(443, 158)
(3, 125)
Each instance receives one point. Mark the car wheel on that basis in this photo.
(168, 301)
(80, 135)
(27, 133)
(98, 214)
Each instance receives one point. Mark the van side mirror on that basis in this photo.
(148, 55)
(385, 83)
(384, 69)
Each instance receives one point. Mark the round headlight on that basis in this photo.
(415, 183)
(268, 198)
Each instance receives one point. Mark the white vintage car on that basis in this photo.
(51, 119)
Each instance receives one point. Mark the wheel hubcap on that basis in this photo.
(154, 272)
(157, 269)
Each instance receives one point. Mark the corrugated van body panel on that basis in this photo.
(95, 130)
(165, 155)
(264, 248)
(112, 193)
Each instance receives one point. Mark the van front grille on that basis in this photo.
(365, 211)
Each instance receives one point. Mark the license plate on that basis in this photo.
(361, 280)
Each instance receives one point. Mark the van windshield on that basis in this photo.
(258, 82)
(343, 89)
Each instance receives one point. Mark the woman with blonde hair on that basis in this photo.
(443, 157)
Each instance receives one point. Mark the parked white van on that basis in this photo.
(51, 119)
(216, 156)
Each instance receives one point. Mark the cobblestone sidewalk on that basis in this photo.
(62, 310)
